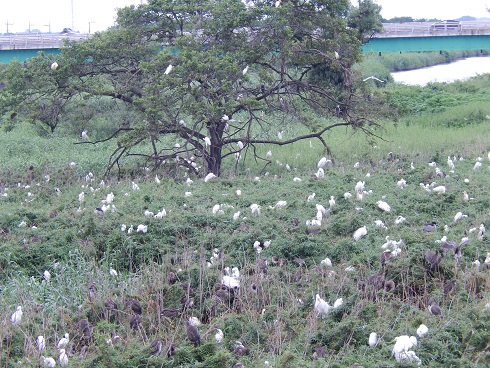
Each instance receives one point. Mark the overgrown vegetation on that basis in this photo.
(46, 225)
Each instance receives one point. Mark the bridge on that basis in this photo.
(395, 37)
(430, 36)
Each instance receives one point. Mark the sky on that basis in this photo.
(433, 9)
(22, 15)
(39, 14)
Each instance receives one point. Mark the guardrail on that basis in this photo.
(38, 41)
(426, 29)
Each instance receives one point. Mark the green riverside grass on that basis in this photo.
(273, 311)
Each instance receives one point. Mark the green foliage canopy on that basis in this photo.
(207, 75)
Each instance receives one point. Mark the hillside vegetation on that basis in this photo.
(129, 261)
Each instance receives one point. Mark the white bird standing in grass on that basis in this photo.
(84, 135)
(17, 315)
(268, 155)
(41, 343)
(401, 350)
(209, 177)
(459, 216)
(63, 358)
(48, 362)
(359, 186)
(422, 330)
(64, 341)
(113, 272)
(255, 208)
(359, 233)
(401, 183)
(323, 308)
(46, 275)
(320, 173)
(373, 339)
(219, 336)
(142, 229)
(323, 161)
(439, 189)
(245, 70)
(384, 206)
(331, 201)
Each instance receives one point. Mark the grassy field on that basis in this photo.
(174, 265)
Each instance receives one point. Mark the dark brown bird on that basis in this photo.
(386, 255)
(193, 334)
(435, 309)
(319, 352)
(134, 322)
(134, 305)
(171, 350)
(240, 350)
(170, 312)
(433, 258)
(223, 295)
(262, 263)
(449, 286)
(156, 347)
(300, 262)
(389, 286)
(377, 280)
(110, 304)
(171, 278)
(430, 227)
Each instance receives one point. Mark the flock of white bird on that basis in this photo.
(402, 350)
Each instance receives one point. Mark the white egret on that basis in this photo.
(402, 345)
(112, 272)
(331, 201)
(359, 186)
(459, 216)
(245, 70)
(63, 358)
(207, 141)
(84, 135)
(326, 262)
(169, 69)
(373, 339)
(148, 213)
(359, 233)
(280, 204)
(384, 206)
(194, 321)
(255, 208)
(380, 224)
(41, 343)
(64, 341)
(142, 229)
(209, 177)
(422, 330)
(323, 161)
(48, 362)
(347, 195)
(321, 306)
(54, 65)
(320, 173)
(401, 183)
(268, 155)
(219, 336)
(230, 282)
(17, 315)
(311, 197)
(46, 275)
(439, 189)
(297, 180)
(157, 180)
(134, 186)
(477, 165)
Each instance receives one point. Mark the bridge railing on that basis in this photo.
(38, 41)
(425, 29)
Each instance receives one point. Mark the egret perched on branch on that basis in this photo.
(54, 65)
(169, 69)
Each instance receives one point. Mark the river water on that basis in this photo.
(458, 70)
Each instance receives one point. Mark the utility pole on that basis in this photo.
(89, 23)
(49, 27)
(8, 24)
(72, 17)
